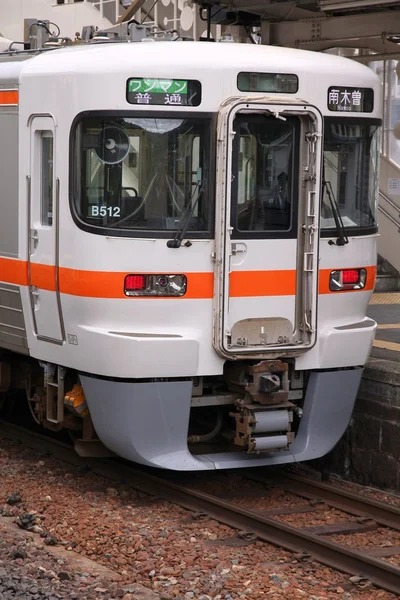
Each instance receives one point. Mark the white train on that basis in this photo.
(188, 246)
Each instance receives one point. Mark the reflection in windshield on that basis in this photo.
(156, 125)
(142, 173)
(351, 165)
(328, 193)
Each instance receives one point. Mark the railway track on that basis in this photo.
(262, 524)
(345, 500)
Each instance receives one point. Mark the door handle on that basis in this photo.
(34, 240)
(35, 294)
(238, 250)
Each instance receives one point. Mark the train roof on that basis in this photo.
(202, 56)
(94, 76)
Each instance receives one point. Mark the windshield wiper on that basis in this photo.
(176, 242)
(342, 239)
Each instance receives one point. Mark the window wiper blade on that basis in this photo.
(176, 242)
(342, 239)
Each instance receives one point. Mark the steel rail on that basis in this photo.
(342, 558)
(384, 514)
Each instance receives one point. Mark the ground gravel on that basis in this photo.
(174, 553)
(29, 571)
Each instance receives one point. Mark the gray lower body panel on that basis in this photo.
(148, 422)
(12, 322)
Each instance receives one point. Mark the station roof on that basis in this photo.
(321, 24)
(293, 10)
(372, 25)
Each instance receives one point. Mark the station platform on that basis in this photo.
(368, 452)
(384, 308)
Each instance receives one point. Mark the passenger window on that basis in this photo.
(46, 179)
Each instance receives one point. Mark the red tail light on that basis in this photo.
(155, 285)
(351, 275)
(134, 283)
(347, 279)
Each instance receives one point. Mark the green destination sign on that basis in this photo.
(163, 92)
(157, 86)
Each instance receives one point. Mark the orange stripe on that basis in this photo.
(324, 275)
(100, 284)
(262, 283)
(8, 97)
(43, 276)
(104, 284)
(14, 271)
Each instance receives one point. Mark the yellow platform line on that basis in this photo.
(386, 298)
(389, 326)
(386, 345)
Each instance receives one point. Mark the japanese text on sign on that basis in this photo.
(157, 86)
(349, 99)
(173, 92)
(394, 186)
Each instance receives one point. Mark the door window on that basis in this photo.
(263, 181)
(46, 178)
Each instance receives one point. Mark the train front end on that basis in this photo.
(216, 242)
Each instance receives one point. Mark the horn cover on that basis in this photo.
(113, 145)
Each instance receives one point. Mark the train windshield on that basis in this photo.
(350, 171)
(142, 173)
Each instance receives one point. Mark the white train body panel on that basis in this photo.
(73, 276)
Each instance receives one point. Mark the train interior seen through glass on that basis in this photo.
(155, 174)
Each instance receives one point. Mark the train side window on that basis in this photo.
(46, 178)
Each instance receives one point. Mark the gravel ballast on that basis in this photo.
(167, 552)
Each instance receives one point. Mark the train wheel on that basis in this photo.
(36, 405)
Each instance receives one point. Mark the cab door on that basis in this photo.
(43, 231)
(266, 264)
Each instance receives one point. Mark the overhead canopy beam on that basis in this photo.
(365, 59)
(267, 9)
(375, 45)
(302, 24)
(353, 5)
(357, 31)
